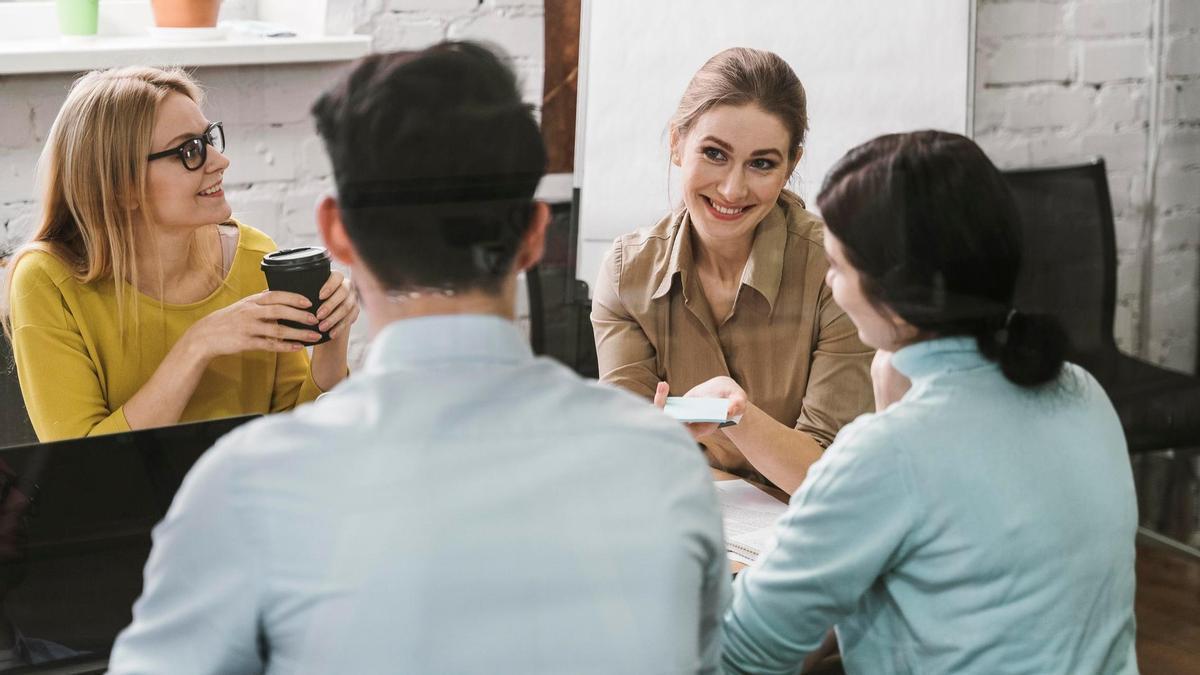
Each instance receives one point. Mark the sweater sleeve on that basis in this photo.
(294, 382)
(59, 379)
(844, 529)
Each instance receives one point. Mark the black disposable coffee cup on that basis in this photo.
(301, 270)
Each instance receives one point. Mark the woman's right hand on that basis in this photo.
(717, 387)
(252, 324)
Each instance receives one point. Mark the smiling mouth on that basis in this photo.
(724, 212)
(211, 192)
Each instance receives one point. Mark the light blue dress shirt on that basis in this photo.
(972, 527)
(458, 506)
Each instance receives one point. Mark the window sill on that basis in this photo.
(58, 55)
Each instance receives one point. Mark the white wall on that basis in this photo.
(1059, 81)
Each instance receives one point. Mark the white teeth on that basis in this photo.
(724, 211)
(212, 190)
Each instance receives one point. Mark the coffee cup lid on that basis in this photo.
(295, 257)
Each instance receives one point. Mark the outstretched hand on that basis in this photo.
(717, 387)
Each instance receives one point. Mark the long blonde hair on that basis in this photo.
(93, 169)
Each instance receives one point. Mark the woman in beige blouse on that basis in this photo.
(726, 297)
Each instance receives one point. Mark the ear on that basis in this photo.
(333, 231)
(129, 202)
(795, 162)
(533, 244)
(903, 332)
(676, 141)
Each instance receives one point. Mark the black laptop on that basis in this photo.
(75, 522)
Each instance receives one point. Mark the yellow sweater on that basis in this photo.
(76, 374)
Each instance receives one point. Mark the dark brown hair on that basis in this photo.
(930, 225)
(436, 160)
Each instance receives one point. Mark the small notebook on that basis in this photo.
(700, 410)
(749, 516)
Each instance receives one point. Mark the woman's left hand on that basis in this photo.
(339, 307)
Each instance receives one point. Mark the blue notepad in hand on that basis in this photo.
(692, 410)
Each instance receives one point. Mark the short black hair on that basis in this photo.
(930, 225)
(436, 160)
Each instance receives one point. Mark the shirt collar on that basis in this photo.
(446, 338)
(764, 269)
(940, 355)
(681, 254)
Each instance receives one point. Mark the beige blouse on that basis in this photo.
(786, 342)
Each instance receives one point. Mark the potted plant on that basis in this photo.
(185, 13)
(77, 18)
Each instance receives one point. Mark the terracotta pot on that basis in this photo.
(185, 13)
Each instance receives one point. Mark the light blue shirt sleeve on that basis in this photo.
(714, 601)
(198, 609)
(843, 529)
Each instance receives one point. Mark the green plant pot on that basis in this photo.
(78, 17)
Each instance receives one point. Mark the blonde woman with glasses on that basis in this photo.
(139, 301)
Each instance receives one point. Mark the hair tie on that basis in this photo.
(1002, 332)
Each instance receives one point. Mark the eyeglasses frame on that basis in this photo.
(205, 141)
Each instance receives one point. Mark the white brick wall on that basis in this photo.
(1059, 80)
(1012, 19)
(1111, 61)
(1024, 61)
(1056, 80)
(1112, 17)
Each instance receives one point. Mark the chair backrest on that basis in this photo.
(560, 324)
(560, 307)
(1069, 258)
(15, 428)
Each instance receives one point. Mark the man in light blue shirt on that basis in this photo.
(458, 506)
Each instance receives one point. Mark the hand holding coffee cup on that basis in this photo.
(254, 324)
(306, 271)
(339, 306)
(303, 271)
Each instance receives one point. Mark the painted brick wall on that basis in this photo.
(278, 166)
(1057, 81)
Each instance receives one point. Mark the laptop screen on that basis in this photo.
(75, 522)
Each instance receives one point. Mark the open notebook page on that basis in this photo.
(749, 515)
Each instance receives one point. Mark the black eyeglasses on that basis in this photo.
(194, 151)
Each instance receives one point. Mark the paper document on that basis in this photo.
(700, 410)
(749, 515)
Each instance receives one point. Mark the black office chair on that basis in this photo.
(560, 306)
(15, 428)
(560, 323)
(1070, 271)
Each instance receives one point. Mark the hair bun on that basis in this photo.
(1032, 349)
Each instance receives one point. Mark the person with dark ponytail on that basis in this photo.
(982, 519)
